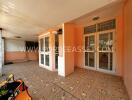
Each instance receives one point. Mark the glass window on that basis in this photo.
(47, 60)
(89, 59)
(107, 25)
(86, 58)
(42, 58)
(46, 44)
(105, 60)
(90, 29)
(103, 26)
(89, 43)
(42, 44)
(106, 41)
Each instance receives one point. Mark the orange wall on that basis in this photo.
(69, 35)
(15, 56)
(33, 56)
(128, 47)
(19, 56)
(119, 46)
(52, 55)
(79, 56)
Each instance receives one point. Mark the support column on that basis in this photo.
(66, 62)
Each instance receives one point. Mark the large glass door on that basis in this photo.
(99, 52)
(105, 51)
(47, 53)
(90, 50)
(99, 46)
(41, 51)
(44, 51)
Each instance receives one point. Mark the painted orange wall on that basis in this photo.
(119, 46)
(69, 35)
(79, 56)
(128, 47)
(33, 56)
(15, 56)
(52, 45)
(19, 56)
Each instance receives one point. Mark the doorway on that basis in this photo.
(99, 51)
(44, 51)
(56, 50)
(99, 40)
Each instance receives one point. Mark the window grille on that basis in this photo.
(107, 25)
(103, 26)
(90, 29)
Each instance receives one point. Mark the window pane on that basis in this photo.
(105, 61)
(91, 59)
(106, 41)
(86, 43)
(46, 44)
(90, 29)
(47, 60)
(56, 60)
(42, 59)
(89, 43)
(42, 44)
(111, 61)
(107, 25)
(86, 58)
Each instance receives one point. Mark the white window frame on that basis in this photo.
(96, 34)
(45, 53)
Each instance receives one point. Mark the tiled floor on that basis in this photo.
(81, 85)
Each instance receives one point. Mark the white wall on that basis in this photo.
(14, 45)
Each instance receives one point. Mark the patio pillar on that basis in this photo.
(0, 51)
(66, 61)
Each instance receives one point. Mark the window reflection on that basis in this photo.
(89, 43)
(105, 61)
(42, 44)
(105, 42)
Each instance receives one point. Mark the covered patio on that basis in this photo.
(83, 84)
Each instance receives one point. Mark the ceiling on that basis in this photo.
(107, 12)
(28, 18)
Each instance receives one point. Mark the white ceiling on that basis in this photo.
(105, 13)
(27, 18)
